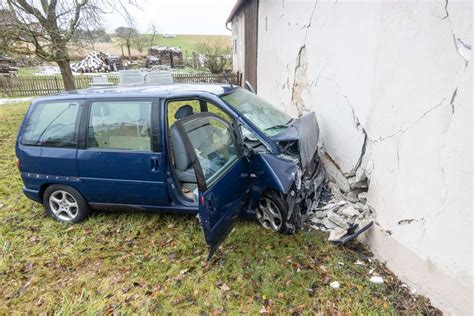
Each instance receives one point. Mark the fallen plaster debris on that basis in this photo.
(345, 215)
(376, 279)
(335, 284)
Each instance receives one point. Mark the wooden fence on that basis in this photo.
(42, 85)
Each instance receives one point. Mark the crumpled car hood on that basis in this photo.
(305, 130)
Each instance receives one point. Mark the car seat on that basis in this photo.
(183, 166)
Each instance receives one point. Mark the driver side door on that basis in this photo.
(222, 174)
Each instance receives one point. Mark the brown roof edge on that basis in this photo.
(235, 10)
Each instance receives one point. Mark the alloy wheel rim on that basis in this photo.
(269, 215)
(63, 205)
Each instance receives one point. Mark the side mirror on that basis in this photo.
(249, 87)
(247, 151)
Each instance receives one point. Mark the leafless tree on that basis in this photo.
(91, 36)
(48, 26)
(127, 36)
(154, 31)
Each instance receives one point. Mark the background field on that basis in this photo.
(187, 43)
(139, 262)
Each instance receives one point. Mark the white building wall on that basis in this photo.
(398, 73)
(238, 43)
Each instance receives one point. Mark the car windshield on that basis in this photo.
(261, 113)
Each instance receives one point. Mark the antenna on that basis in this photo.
(226, 77)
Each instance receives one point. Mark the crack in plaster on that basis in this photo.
(409, 221)
(446, 10)
(300, 81)
(310, 21)
(443, 171)
(404, 130)
(356, 122)
(360, 128)
(453, 98)
(463, 49)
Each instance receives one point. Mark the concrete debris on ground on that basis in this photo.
(343, 214)
(376, 279)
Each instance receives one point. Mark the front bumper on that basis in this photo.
(306, 191)
(311, 183)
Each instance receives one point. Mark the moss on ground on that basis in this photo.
(137, 262)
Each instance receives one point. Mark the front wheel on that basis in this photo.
(272, 213)
(65, 204)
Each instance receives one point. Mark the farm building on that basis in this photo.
(391, 85)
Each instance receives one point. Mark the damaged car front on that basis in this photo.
(287, 175)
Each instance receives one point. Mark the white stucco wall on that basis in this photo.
(238, 43)
(400, 74)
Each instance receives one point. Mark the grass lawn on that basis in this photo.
(190, 43)
(137, 262)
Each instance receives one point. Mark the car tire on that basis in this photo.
(65, 204)
(272, 213)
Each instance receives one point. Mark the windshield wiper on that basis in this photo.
(275, 126)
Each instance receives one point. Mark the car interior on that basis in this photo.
(206, 137)
(122, 126)
(181, 161)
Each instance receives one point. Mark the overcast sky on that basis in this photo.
(177, 16)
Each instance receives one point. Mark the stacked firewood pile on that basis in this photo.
(158, 55)
(98, 62)
(152, 61)
(8, 65)
(7, 69)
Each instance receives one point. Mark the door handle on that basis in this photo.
(155, 164)
(210, 204)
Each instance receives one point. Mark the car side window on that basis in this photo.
(173, 106)
(213, 144)
(120, 125)
(52, 124)
(216, 110)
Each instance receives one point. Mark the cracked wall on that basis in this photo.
(391, 85)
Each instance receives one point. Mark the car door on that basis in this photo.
(119, 159)
(47, 143)
(222, 174)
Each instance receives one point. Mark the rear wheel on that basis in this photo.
(272, 213)
(65, 204)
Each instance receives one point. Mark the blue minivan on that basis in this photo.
(218, 151)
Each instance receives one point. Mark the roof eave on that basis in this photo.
(235, 10)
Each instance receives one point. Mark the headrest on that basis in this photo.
(183, 111)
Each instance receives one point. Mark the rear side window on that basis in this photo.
(52, 124)
(120, 125)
